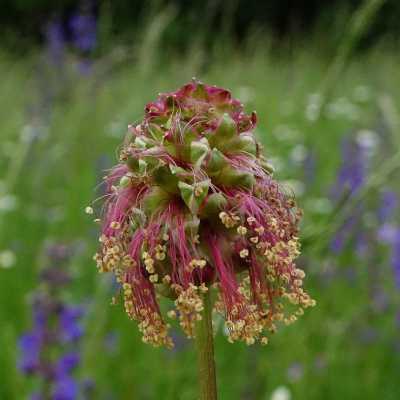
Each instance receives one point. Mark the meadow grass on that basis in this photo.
(60, 130)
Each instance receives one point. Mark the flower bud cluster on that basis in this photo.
(192, 206)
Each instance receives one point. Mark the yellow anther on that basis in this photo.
(250, 341)
(222, 215)
(241, 230)
(115, 225)
(260, 230)
(160, 256)
(264, 341)
(149, 263)
(198, 191)
(244, 253)
(251, 220)
(171, 314)
(153, 278)
(89, 210)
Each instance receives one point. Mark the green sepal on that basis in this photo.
(133, 164)
(124, 181)
(164, 178)
(267, 167)
(192, 226)
(184, 149)
(156, 132)
(244, 143)
(170, 148)
(140, 142)
(138, 166)
(157, 198)
(200, 92)
(216, 162)
(198, 151)
(232, 177)
(193, 195)
(213, 205)
(138, 218)
(142, 166)
(226, 130)
(175, 170)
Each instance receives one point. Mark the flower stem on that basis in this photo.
(205, 353)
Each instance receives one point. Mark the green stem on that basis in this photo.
(205, 353)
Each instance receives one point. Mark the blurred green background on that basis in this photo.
(325, 84)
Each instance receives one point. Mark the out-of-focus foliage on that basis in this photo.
(285, 19)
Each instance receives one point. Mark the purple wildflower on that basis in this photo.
(340, 237)
(44, 350)
(309, 165)
(71, 328)
(395, 257)
(351, 177)
(65, 388)
(67, 363)
(352, 173)
(388, 205)
(83, 26)
(387, 233)
(30, 345)
(36, 396)
(55, 39)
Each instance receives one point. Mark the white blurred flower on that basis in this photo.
(313, 107)
(245, 94)
(295, 372)
(281, 393)
(362, 93)
(88, 210)
(30, 132)
(319, 205)
(298, 153)
(116, 129)
(367, 139)
(8, 202)
(387, 233)
(285, 132)
(55, 214)
(296, 186)
(342, 108)
(7, 259)
(277, 163)
(287, 108)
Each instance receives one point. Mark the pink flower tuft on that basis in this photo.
(192, 206)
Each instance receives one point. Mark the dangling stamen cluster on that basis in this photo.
(192, 206)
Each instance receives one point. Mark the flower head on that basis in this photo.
(192, 206)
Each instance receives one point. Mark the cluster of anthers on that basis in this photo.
(191, 207)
